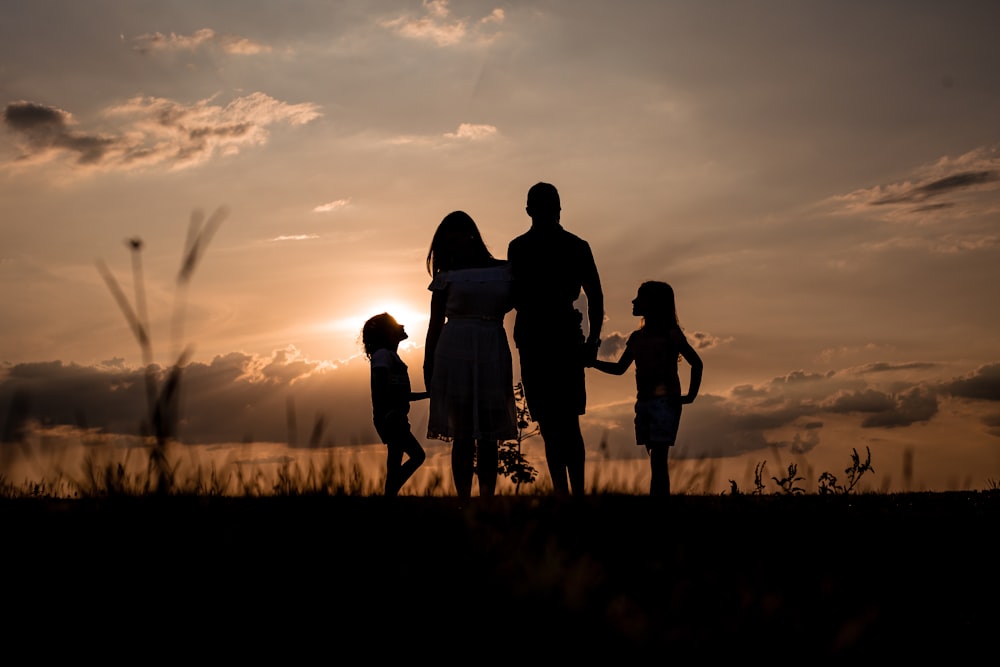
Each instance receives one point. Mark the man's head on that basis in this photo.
(543, 204)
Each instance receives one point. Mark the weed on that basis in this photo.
(510, 459)
(828, 482)
(758, 482)
(788, 484)
(160, 423)
(758, 478)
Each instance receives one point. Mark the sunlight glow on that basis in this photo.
(413, 319)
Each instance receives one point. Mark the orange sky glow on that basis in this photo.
(820, 183)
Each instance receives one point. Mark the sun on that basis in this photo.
(413, 319)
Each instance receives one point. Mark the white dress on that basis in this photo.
(472, 388)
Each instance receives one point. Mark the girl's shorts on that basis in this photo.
(656, 421)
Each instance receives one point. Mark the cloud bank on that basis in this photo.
(285, 397)
(789, 412)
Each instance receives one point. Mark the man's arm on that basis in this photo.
(591, 284)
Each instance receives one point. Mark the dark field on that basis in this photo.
(320, 579)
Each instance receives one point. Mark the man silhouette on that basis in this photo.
(550, 267)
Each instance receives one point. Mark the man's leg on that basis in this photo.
(576, 455)
(553, 438)
(564, 453)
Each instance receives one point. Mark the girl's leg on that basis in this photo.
(393, 464)
(486, 467)
(659, 480)
(415, 457)
(463, 462)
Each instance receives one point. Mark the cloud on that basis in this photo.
(206, 37)
(613, 343)
(466, 132)
(788, 412)
(295, 237)
(438, 26)
(45, 129)
(950, 187)
(257, 395)
(916, 405)
(868, 400)
(153, 131)
(982, 384)
(233, 398)
(472, 132)
(701, 340)
(331, 206)
(992, 423)
(908, 193)
(883, 367)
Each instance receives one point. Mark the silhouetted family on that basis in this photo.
(468, 372)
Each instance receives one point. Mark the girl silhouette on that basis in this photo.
(391, 396)
(657, 347)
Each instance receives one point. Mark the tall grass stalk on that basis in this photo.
(160, 423)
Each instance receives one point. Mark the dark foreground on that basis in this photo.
(533, 579)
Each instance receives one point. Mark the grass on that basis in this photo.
(525, 577)
(146, 550)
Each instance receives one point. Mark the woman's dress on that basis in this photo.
(472, 385)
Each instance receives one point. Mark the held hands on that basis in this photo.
(428, 372)
(588, 352)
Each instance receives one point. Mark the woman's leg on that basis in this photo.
(486, 467)
(463, 461)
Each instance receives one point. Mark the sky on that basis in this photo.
(820, 183)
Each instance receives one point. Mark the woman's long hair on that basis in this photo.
(457, 244)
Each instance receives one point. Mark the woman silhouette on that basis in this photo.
(467, 360)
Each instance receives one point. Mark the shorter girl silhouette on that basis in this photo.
(391, 396)
(657, 347)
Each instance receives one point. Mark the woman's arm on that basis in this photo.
(438, 300)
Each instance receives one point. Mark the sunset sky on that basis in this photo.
(820, 182)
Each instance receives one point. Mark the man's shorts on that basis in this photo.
(554, 382)
(656, 421)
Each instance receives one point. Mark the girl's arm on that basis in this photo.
(615, 367)
(697, 367)
(438, 299)
(380, 390)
